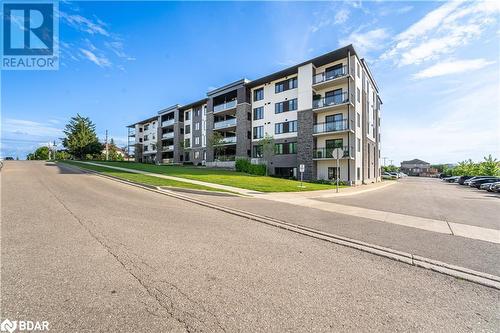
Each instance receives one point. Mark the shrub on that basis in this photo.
(244, 165)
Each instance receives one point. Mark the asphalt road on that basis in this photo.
(432, 198)
(89, 254)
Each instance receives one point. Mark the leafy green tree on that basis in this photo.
(489, 167)
(267, 144)
(62, 155)
(216, 142)
(81, 140)
(390, 168)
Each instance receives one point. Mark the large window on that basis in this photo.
(258, 94)
(285, 148)
(187, 115)
(188, 129)
(285, 85)
(257, 151)
(285, 106)
(258, 132)
(333, 172)
(258, 113)
(287, 127)
(187, 143)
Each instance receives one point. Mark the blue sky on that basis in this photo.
(436, 64)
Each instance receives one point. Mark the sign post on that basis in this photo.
(338, 153)
(302, 168)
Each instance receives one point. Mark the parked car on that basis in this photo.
(388, 175)
(395, 174)
(468, 181)
(451, 179)
(478, 182)
(486, 186)
(9, 158)
(462, 179)
(496, 187)
(491, 187)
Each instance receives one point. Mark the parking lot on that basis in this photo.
(431, 198)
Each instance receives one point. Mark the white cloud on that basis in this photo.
(442, 31)
(28, 127)
(100, 61)
(84, 24)
(341, 16)
(366, 41)
(452, 67)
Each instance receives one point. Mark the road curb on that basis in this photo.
(463, 273)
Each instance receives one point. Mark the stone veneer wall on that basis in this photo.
(305, 143)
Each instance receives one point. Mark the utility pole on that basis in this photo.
(107, 145)
(48, 146)
(385, 158)
(55, 149)
(391, 161)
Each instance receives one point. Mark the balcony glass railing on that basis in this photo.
(131, 133)
(327, 152)
(225, 106)
(330, 75)
(225, 123)
(229, 140)
(168, 135)
(331, 100)
(168, 122)
(331, 126)
(169, 147)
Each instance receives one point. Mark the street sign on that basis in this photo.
(302, 168)
(338, 153)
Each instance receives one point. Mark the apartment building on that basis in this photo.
(144, 140)
(310, 109)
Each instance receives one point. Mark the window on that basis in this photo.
(146, 137)
(284, 172)
(203, 140)
(258, 113)
(188, 129)
(196, 140)
(258, 132)
(287, 127)
(257, 151)
(258, 94)
(358, 95)
(249, 116)
(285, 148)
(197, 126)
(358, 70)
(333, 172)
(358, 173)
(204, 110)
(140, 129)
(187, 115)
(197, 112)
(196, 155)
(285, 85)
(140, 139)
(358, 119)
(359, 145)
(187, 143)
(285, 106)
(146, 127)
(187, 156)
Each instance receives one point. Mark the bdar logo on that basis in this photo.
(8, 326)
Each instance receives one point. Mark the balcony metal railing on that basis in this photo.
(169, 147)
(225, 123)
(330, 75)
(327, 152)
(131, 133)
(168, 135)
(331, 100)
(167, 160)
(168, 122)
(331, 126)
(225, 106)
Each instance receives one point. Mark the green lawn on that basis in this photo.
(142, 179)
(224, 177)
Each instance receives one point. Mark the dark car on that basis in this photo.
(9, 158)
(468, 181)
(462, 179)
(477, 182)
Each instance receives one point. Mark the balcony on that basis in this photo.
(326, 153)
(167, 148)
(331, 101)
(225, 106)
(331, 126)
(225, 124)
(229, 140)
(169, 122)
(169, 135)
(131, 133)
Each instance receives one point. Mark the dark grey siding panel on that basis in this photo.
(305, 143)
(243, 125)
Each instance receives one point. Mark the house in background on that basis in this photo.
(418, 168)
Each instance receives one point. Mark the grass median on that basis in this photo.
(224, 177)
(141, 179)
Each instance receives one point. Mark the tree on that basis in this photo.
(267, 144)
(81, 140)
(216, 142)
(390, 168)
(489, 167)
(41, 153)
